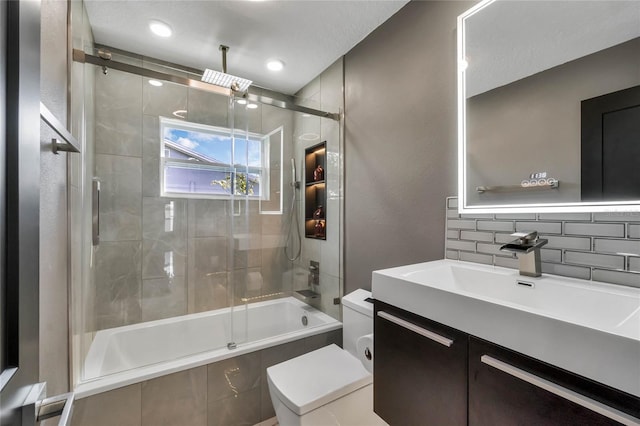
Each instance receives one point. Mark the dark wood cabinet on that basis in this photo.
(508, 388)
(426, 373)
(420, 370)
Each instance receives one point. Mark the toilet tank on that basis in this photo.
(357, 318)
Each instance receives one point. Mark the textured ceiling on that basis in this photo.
(307, 35)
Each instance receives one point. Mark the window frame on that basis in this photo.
(232, 169)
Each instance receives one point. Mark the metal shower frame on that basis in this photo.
(289, 104)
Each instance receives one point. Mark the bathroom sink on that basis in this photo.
(582, 326)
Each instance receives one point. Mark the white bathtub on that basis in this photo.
(130, 354)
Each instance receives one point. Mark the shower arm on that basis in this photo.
(82, 57)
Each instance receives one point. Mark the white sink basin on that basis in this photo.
(587, 327)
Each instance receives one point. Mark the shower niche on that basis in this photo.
(315, 194)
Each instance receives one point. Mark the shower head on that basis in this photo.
(222, 79)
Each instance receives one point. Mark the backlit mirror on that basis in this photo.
(549, 106)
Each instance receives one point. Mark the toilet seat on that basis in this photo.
(317, 378)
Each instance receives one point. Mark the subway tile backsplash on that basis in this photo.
(592, 246)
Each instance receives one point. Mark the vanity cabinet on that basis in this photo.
(508, 388)
(426, 373)
(420, 370)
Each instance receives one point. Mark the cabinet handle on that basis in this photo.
(562, 392)
(412, 327)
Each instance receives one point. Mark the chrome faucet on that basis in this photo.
(527, 247)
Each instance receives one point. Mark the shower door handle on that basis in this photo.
(95, 212)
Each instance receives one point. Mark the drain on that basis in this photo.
(305, 320)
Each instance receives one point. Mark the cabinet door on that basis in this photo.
(420, 370)
(507, 388)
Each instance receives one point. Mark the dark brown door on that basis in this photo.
(611, 146)
(507, 388)
(420, 370)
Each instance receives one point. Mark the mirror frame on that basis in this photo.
(607, 206)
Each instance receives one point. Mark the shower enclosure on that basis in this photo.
(186, 201)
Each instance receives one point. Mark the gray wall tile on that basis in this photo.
(118, 113)
(461, 245)
(566, 270)
(476, 257)
(232, 376)
(118, 284)
(117, 407)
(576, 243)
(491, 249)
(120, 197)
(580, 217)
(461, 224)
(550, 255)
(476, 236)
(617, 246)
(595, 229)
(243, 409)
(453, 234)
(163, 100)
(593, 259)
(506, 262)
(503, 238)
(541, 227)
(164, 298)
(617, 217)
(176, 399)
(516, 216)
(484, 225)
(577, 246)
(624, 278)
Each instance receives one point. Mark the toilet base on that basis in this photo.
(353, 409)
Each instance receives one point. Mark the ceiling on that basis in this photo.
(307, 35)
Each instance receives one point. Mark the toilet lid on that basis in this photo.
(317, 378)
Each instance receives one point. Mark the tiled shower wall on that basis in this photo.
(143, 271)
(323, 92)
(591, 246)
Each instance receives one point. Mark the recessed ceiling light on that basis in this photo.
(241, 101)
(252, 106)
(160, 29)
(275, 65)
(155, 83)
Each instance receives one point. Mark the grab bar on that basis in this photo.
(71, 144)
(416, 329)
(562, 392)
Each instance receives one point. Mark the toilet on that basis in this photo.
(330, 386)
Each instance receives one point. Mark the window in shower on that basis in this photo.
(200, 161)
